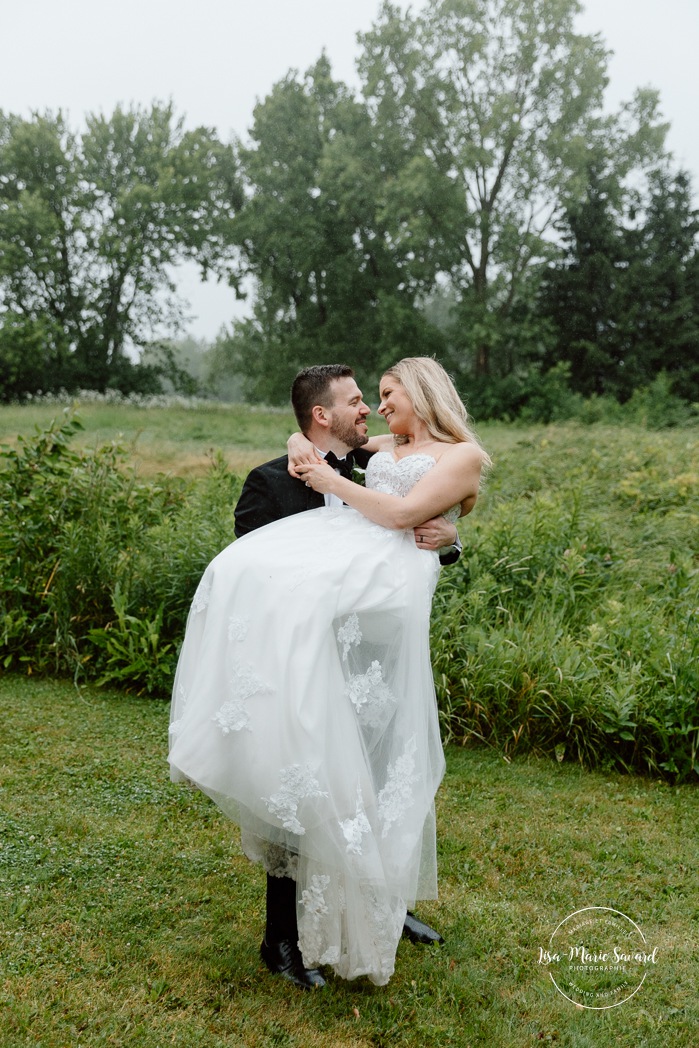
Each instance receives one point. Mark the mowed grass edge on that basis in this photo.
(129, 915)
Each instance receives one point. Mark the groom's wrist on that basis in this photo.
(451, 553)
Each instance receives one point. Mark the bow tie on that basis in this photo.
(343, 466)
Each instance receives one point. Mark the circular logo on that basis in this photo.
(598, 958)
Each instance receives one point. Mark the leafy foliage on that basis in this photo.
(625, 300)
(97, 568)
(330, 284)
(89, 226)
(569, 626)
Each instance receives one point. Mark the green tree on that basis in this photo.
(624, 301)
(583, 293)
(660, 329)
(487, 111)
(91, 225)
(329, 283)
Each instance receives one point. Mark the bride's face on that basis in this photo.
(395, 406)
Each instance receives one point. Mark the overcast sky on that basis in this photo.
(216, 58)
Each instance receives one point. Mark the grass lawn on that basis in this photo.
(175, 440)
(129, 915)
(180, 440)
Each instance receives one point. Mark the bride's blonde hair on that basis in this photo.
(435, 401)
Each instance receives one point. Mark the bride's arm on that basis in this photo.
(301, 452)
(453, 479)
(381, 442)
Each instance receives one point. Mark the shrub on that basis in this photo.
(568, 627)
(657, 407)
(570, 624)
(91, 559)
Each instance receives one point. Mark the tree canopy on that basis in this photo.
(474, 200)
(446, 182)
(90, 228)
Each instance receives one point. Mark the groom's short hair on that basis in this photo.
(314, 386)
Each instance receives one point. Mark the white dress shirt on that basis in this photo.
(330, 499)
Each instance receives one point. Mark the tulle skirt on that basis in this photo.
(304, 706)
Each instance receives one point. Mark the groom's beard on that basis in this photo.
(348, 434)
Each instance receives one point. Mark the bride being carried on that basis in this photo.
(303, 702)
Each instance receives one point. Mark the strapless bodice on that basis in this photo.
(399, 476)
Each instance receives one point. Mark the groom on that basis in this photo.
(330, 411)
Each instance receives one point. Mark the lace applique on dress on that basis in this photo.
(397, 795)
(354, 829)
(238, 627)
(349, 634)
(234, 715)
(315, 908)
(201, 598)
(297, 783)
(370, 695)
(398, 476)
(279, 862)
(387, 918)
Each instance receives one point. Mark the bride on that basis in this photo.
(303, 702)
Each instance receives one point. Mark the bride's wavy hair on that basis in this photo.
(435, 401)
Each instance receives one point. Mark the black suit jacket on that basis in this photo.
(269, 493)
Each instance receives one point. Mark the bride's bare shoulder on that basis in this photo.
(464, 453)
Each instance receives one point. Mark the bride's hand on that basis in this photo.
(318, 475)
(301, 452)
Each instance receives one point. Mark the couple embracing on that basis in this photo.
(303, 702)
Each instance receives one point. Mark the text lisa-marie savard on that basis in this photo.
(615, 956)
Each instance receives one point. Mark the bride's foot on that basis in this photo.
(416, 931)
(284, 958)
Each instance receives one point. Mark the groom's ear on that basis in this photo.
(320, 415)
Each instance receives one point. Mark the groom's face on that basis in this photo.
(348, 414)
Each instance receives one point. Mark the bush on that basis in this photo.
(657, 407)
(96, 568)
(569, 626)
(528, 396)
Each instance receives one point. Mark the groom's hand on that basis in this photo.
(435, 533)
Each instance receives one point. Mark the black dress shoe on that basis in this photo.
(416, 931)
(284, 958)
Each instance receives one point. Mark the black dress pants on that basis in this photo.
(281, 910)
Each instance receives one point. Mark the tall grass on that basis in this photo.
(569, 627)
(571, 623)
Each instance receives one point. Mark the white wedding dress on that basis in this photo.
(304, 706)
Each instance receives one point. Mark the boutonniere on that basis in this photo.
(358, 475)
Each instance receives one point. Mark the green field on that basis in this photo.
(173, 440)
(570, 626)
(179, 440)
(129, 916)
